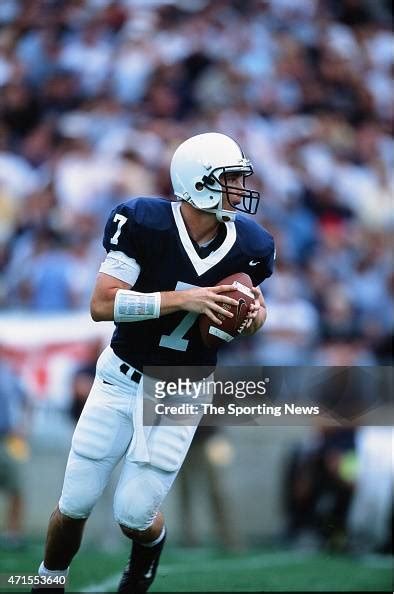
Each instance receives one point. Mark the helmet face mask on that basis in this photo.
(203, 169)
(246, 200)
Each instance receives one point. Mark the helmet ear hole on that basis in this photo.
(199, 186)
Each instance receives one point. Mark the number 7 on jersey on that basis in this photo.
(120, 219)
(176, 339)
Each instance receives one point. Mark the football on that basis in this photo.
(214, 335)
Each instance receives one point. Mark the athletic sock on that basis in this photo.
(42, 570)
(156, 541)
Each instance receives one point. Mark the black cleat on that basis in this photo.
(141, 568)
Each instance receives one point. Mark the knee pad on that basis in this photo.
(138, 499)
(81, 488)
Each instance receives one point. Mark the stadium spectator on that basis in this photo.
(14, 451)
(373, 495)
(318, 488)
(82, 382)
(209, 453)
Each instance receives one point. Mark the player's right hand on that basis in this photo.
(207, 300)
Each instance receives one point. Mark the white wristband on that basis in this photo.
(131, 306)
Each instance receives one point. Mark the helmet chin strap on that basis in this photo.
(225, 216)
(222, 215)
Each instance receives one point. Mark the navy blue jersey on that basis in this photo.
(152, 231)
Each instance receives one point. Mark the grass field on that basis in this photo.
(208, 570)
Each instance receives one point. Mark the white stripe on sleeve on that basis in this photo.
(120, 266)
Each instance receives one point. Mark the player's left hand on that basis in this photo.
(257, 314)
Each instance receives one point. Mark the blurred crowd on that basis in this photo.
(96, 94)
(337, 491)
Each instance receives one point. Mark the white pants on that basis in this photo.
(109, 429)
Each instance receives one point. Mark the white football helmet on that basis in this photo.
(198, 174)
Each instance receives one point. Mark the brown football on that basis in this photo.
(214, 335)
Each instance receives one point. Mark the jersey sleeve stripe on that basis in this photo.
(122, 267)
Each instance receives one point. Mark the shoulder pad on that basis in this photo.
(130, 224)
(154, 213)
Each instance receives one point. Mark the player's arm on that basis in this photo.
(103, 297)
(113, 298)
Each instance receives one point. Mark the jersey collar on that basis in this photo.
(202, 265)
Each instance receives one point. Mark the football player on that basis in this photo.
(163, 261)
